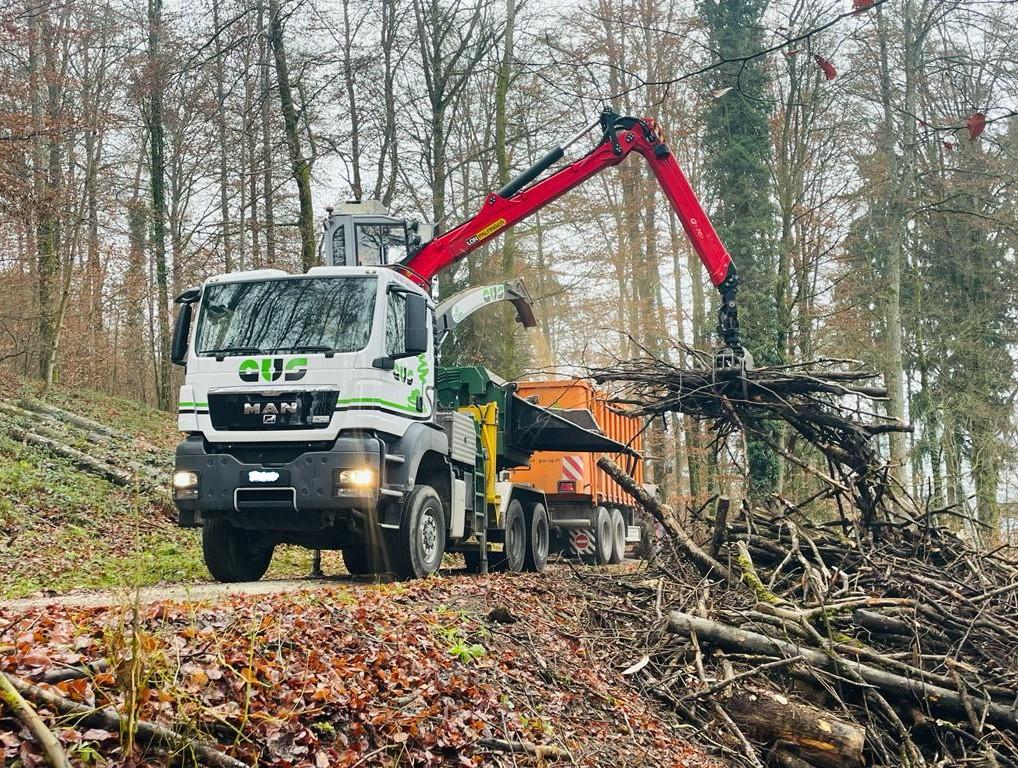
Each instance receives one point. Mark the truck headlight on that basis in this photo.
(357, 478)
(185, 484)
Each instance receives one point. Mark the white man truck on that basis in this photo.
(312, 417)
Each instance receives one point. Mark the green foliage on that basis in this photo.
(738, 147)
(467, 652)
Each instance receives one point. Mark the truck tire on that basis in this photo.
(419, 544)
(233, 554)
(618, 537)
(538, 540)
(515, 550)
(602, 536)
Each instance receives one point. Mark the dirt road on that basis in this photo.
(182, 592)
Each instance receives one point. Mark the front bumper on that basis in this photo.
(298, 494)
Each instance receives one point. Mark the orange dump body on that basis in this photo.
(550, 468)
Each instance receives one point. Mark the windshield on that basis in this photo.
(329, 314)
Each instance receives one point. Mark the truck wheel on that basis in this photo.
(233, 554)
(618, 537)
(420, 542)
(539, 539)
(515, 537)
(602, 536)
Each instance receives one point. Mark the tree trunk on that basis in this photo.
(300, 168)
(349, 76)
(268, 191)
(157, 175)
(894, 232)
(224, 157)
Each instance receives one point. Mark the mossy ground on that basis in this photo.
(63, 529)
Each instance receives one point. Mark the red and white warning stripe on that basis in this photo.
(572, 468)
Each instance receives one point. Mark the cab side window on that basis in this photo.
(395, 324)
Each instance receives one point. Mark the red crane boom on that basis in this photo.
(620, 137)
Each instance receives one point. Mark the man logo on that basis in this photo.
(271, 369)
(270, 411)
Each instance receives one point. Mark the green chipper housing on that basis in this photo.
(507, 431)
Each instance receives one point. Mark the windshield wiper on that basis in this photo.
(222, 352)
(329, 351)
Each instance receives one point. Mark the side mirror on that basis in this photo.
(181, 329)
(182, 326)
(416, 324)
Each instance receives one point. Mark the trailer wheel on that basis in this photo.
(419, 545)
(602, 536)
(539, 540)
(515, 550)
(618, 537)
(233, 554)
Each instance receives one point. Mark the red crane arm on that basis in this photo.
(516, 201)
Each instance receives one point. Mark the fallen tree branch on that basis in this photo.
(707, 565)
(935, 697)
(110, 720)
(23, 711)
(540, 751)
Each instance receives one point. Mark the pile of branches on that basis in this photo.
(795, 643)
(828, 403)
(863, 632)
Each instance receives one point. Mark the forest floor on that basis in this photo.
(105, 600)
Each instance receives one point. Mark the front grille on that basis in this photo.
(255, 411)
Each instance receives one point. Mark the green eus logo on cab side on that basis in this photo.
(272, 369)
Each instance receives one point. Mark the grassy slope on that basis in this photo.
(63, 529)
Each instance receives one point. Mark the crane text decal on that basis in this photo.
(488, 231)
(271, 369)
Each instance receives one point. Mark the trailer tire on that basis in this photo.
(233, 554)
(602, 536)
(618, 537)
(418, 546)
(514, 552)
(538, 539)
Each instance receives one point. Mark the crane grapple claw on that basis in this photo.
(732, 361)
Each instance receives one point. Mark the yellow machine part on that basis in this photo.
(487, 416)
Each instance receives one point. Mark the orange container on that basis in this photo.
(550, 468)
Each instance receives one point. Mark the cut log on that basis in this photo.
(808, 732)
(110, 720)
(71, 418)
(80, 460)
(935, 697)
(706, 564)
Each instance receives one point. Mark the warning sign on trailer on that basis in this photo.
(582, 541)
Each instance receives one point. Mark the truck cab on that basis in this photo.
(308, 405)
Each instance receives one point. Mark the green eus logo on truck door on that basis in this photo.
(272, 369)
